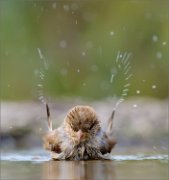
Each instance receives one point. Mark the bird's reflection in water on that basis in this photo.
(78, 170)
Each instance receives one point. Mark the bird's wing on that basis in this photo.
(107, 143)
(48, 118)
(109, 128)
(52, 141)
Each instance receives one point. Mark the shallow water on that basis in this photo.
(37, 165)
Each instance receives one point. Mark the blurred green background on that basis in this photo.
(79, 41)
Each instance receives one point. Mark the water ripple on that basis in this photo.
(140, 157)
(46, 157)
(17, 157)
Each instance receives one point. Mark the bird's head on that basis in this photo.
(81, 124)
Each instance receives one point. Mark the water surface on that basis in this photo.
(37, 165)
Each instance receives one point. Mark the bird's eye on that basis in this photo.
(75, 129)
(84, 129)
(92, 126)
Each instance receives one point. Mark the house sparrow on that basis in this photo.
(80, 137)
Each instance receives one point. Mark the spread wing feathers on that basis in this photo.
(109, 129)
(48, 118)
(108, 142)
(51, 142)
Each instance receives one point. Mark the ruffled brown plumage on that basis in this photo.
(80, 137)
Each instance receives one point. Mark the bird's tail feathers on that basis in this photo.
(48, 118)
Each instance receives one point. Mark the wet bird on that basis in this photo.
(80, 137)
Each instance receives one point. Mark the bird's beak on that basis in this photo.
(80, 135)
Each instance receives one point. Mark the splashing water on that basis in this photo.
(43, 59)
(112, 77)
(63, 44)
(164, 43)
(140, 157)
(123, 64)
(154, 38)
(83, 53)
(40, 74)
(41, 156)
(159, 55)
(153, 86)
(138, 91)
(111, 33)
(54, 5)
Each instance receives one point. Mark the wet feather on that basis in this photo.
(80, 137)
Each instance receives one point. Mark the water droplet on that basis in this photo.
(127, 70)
(117, 57)
(66, 7)
(154, 38)
(124, 58)
(89, 44)
(36, 72)
(83, 53)
(128, 77)
(124, 94)
(138, 91)
(164, 43)
(39, 85)
(40, 53)
(40, 97)
(125, 90)
(121, 100)
(111, 33)
(126, 66)
(41, 75)
(126, 85)
(43, 58)
(159, 55)
(135, 105)
(112, 77)
(154, 86)
(54, 5)
(74, 7)
(63, 44)
(118, 102)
